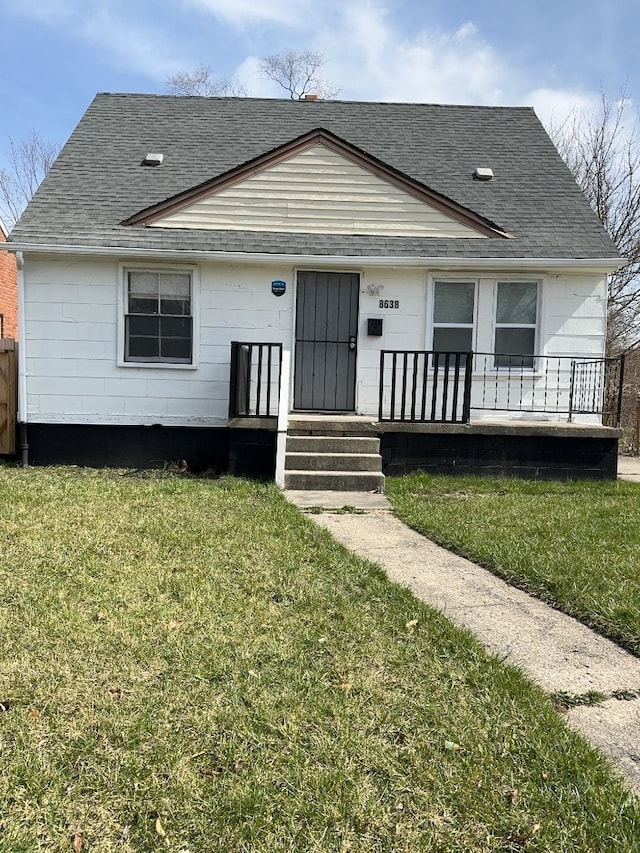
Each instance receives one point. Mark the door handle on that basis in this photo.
(352, 342)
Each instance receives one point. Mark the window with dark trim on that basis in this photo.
(516, 323)
(158, 322)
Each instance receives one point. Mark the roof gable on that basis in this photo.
(317, 183)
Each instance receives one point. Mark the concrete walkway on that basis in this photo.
(557, 653)
(629, 468)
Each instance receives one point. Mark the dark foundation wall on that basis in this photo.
(243, 452)
(128, 446)
(252, 453)
(533, 456)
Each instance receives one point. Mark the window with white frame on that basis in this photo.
(516, 323)
(453, 316)
(158, 318)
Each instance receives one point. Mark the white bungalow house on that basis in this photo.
(219, 279)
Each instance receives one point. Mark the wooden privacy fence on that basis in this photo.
(8, 397)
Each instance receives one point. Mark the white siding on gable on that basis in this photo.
(320, 192)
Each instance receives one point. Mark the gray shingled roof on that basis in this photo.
(98, 181)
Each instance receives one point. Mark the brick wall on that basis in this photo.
(8, 292)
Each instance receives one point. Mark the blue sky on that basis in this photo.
(551, 54)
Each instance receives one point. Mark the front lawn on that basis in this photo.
(576, 544)
(191, 665)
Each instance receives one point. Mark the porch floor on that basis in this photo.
(364, 424)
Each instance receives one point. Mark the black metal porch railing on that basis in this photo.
(424, 386)
(600, 381)
(549, 384)
(255, 379)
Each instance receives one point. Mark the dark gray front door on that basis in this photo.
(326, 337)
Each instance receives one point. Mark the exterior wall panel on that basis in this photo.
(72, 345)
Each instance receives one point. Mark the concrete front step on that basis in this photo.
(332, 444)
(333, 461)
(334, 481)
(354, 426)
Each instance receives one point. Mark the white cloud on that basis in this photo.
(554, 106)
(369, 52)
(244, 12)
(466, 30)
(140, 48)
(46, 11)
(129, 44)
(383, 63)
(249, 72)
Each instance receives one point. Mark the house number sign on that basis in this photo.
(389, 303)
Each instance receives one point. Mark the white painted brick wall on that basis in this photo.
(72, 342)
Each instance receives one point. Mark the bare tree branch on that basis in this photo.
(298, 72)
(201, 81)
(602, 149)
(29, 161)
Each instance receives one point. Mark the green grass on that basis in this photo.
(576, 544)
(192, 665)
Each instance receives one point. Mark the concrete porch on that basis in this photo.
(444, 413)
(354, 453)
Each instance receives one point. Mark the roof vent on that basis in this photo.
(483, 173)
(153, 159)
